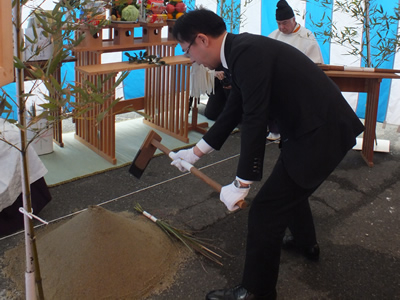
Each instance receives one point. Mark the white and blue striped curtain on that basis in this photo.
(259, 18)
(262, 21)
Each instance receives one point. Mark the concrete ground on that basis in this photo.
(356, 211)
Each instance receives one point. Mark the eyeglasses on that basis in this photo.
(186, 52)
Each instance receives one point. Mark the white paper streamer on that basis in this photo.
(201, 80)
(150, 216)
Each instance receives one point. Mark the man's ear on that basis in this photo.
(203, 39)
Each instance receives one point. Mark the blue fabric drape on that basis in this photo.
(268, 20)
(68, 72)
(320, 14)
(230, 4)
(190, 4)
(134, 83)
(11, 90)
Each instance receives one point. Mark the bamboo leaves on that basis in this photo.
(377, 30)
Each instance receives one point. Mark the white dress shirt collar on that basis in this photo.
(223, 59)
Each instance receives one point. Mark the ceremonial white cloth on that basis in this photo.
(10, 165)
(304, 40)
(201, 80)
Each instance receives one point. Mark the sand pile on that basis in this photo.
(99, 254)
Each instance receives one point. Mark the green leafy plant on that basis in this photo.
(375, 23)
(231, 12)
(144, 58)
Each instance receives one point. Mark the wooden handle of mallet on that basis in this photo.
(215, 185)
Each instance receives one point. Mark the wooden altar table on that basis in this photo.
(366, 81)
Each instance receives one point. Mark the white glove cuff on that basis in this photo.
(244, 181)
(204, 147)
(193, 157)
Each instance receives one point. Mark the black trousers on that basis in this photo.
(280, 204)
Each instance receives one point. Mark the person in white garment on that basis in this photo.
(11, 220)
(292, 33)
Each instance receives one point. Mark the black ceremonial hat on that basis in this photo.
(283, 11)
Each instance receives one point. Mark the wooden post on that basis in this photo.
(6, 42)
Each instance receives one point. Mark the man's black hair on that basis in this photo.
(197, 21)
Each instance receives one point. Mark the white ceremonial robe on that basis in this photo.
(304, 40)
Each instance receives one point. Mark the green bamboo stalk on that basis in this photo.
(33, 279)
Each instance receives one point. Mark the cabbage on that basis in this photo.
(130, 13)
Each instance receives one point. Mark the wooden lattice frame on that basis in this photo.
(6, 42)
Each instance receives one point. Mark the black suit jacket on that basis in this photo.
(271, 78)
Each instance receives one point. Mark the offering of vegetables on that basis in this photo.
(125, 10)
(130, 13)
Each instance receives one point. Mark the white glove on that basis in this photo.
(230, 195)
(186, 155)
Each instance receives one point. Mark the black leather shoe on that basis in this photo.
(236, 293)
(289, 243)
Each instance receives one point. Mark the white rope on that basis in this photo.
(132, 193)
(30, 215)
(103, 203)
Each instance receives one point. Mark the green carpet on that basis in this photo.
(75, 160)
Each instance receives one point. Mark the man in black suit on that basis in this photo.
(317, 128)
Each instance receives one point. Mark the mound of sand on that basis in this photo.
(99, 254)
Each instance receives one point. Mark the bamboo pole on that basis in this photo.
(367, 33)
(32, 272)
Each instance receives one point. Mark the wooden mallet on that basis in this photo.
(146, 153)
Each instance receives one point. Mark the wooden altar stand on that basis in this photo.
(368, 81)
(166, 99)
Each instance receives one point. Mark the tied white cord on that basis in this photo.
(30, 215)
(150, 216)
